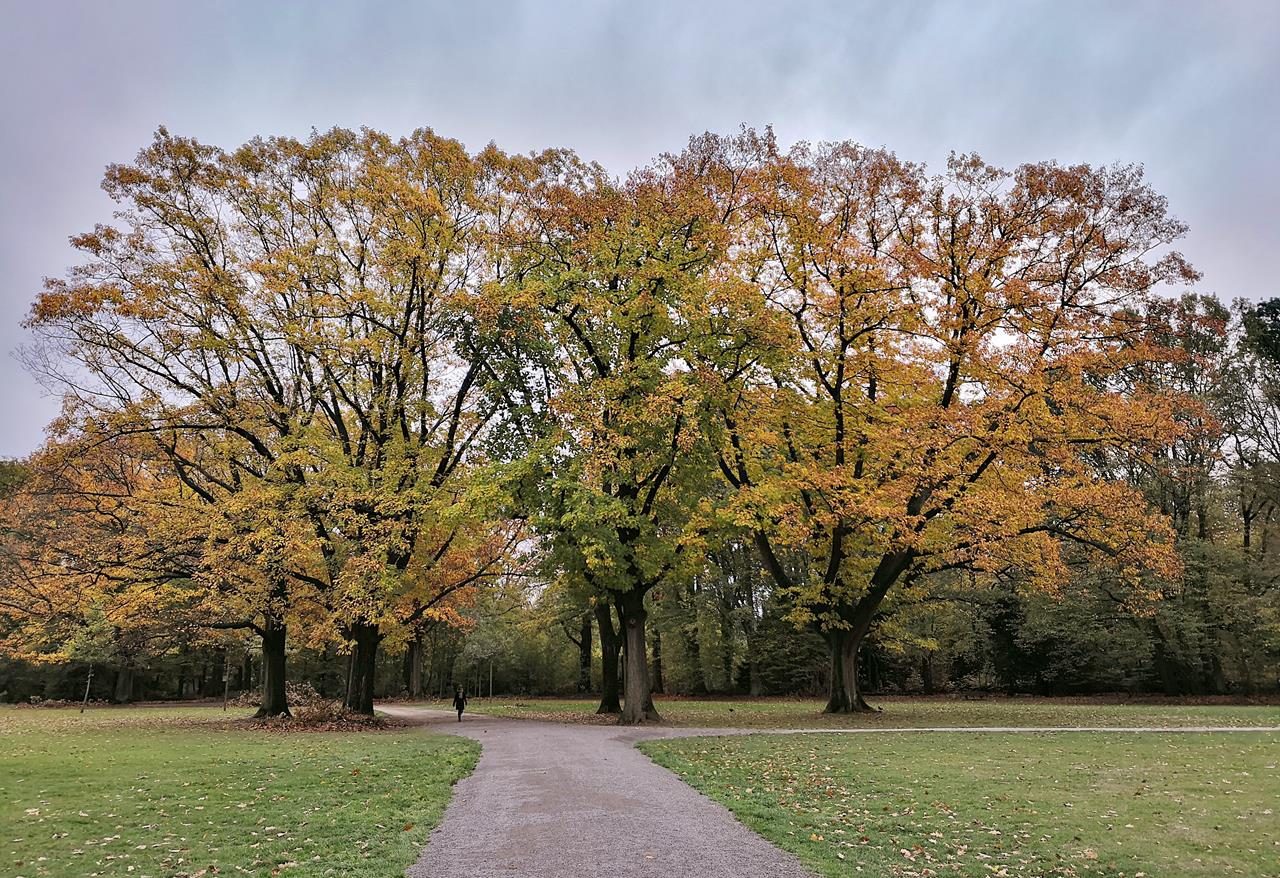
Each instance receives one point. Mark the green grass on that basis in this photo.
(1060, 804)
(771, 713)
(173, 792)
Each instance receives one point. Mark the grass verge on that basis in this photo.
(779, 713)
(1060, 804)
(157, 792)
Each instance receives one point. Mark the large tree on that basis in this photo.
(292, 320)
(616, 276)
(952, 384)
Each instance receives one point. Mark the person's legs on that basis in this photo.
(459, 714)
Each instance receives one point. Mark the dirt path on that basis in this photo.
(550, 800)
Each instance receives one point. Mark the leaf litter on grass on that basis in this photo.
(977, 805)
(132, 794)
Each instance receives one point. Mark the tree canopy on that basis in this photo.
(352, 391)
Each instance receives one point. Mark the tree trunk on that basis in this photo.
(844, 696)
(845, 693)
(364, 656)
(274, 700)
(609, 700)
(658, 685)
(584, 655)
(637, 706)
(845, 643)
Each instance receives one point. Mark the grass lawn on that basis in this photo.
(984, 804)
(173, 792)
(777, 713)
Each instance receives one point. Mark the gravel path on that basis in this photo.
(550, 800)
(685, 732)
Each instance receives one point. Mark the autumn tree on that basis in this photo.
(290, 321)
(616, 275)
(91, 568)
(402, 243)
(956, 345)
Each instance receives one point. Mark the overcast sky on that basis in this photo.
(1188, 89)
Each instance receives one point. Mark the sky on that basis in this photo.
(1189, 89)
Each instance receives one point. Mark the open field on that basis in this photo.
(770, 713)
(1058, 804)
(173, 792)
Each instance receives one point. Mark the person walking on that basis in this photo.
(459, 702)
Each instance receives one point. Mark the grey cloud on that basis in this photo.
(1187, 88)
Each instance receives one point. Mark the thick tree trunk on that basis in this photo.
(363, 667)
(658, 685)
(609, 697)
(844, 696)
(637, 705)
(274, 700)
(584, 655)
(844, 646)
(845, 643)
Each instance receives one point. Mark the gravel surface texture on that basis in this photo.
(551, 800)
